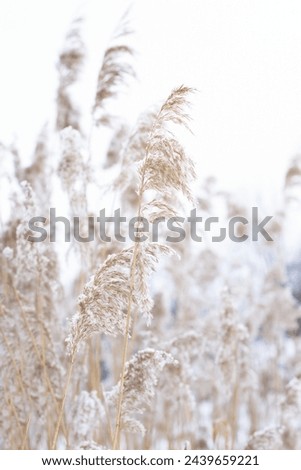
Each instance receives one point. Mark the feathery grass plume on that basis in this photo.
(38, 174)
(232, 359)
(73, 171)
(14, 152)
(69, 67)
(293, 174)
(267, 439)
(186, 347)
(114, 73)
(292, 399)
(141, 376)
(292, 183)
(25, 250)
(114, 153)
(276, 298)
(103, 303)
(133, 151)
(178, 390)
(177, 415)
(90, 445)
(234, 344)
(86, 416)
(291, 407)
(163, 163)
(166, 165)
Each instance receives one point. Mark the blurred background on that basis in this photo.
(241, 324)
(243, 57)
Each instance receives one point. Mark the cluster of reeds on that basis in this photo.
(114, 344)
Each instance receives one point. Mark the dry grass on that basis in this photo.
(129, 348)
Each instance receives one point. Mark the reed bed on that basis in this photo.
(139, 344)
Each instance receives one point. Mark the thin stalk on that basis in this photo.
(11, 406)
(62, 407)
(25, 438)
(116, 441)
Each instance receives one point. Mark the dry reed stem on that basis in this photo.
(43, 365)
(171, 110)
(116, 440)
(25, 438)
(100, 392)
(11, 406)
(62, 407)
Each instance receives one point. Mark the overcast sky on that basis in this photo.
(244, 57)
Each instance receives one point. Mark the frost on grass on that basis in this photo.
(217, 371)
(104, 301)
(140, 380)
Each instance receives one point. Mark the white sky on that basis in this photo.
(244, 57)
